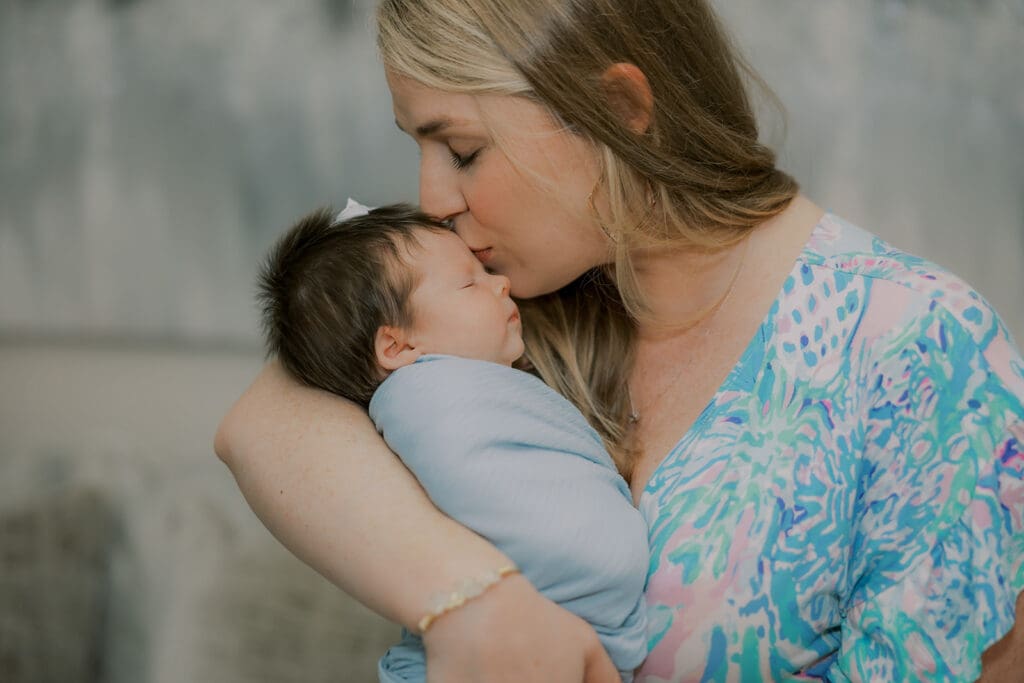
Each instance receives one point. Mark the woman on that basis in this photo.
(822, 433)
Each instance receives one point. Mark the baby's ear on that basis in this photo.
(391, 345)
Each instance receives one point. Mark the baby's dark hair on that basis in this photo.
(327, 286)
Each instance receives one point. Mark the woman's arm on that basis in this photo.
(317, 474)
(1005, 660)
(315, 471)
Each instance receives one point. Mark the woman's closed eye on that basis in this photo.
(461, 161)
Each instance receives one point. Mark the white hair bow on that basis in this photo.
(353, 209)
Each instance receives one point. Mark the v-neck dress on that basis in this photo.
(850, 504)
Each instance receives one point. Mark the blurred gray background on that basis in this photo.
(150, 151)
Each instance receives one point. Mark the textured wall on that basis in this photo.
(127, 554)
(151, 149)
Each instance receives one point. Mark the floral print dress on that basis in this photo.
(850, 505)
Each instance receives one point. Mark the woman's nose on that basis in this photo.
(439, 194)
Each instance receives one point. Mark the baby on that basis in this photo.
(390, 309)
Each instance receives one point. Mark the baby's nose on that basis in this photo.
(504, 285)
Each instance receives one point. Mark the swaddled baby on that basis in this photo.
(390, 309)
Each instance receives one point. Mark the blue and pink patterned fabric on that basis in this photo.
(850, 505)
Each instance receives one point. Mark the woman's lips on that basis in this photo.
(483, 255)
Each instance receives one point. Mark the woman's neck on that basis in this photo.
(689, 289)
(685, 288)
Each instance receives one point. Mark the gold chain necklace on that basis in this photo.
(704, 316)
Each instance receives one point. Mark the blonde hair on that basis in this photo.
(697, 175)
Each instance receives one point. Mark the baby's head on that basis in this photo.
(346, 302)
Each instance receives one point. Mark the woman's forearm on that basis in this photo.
(315, 471)
(1005, 660)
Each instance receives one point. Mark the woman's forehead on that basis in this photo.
(421, 110)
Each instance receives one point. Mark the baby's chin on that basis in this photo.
(507, 359)
(517, 353)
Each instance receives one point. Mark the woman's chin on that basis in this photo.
(530, 286)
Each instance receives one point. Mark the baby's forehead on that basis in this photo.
(431, 251)
(437, 244)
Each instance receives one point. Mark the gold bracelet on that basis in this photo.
(440, 603)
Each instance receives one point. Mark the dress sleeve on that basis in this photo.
(938, 554)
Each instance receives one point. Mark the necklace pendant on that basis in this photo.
(634, 418)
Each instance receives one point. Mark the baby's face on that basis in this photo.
(458, 308)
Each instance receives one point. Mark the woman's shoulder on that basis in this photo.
(856, 303)
(901, 286)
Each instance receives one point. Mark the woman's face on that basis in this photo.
(521, 207)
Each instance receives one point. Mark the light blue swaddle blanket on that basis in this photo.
(505, 455)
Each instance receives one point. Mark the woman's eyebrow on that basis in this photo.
(429, 128)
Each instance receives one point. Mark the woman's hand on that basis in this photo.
(513, 634)
(1005, 660)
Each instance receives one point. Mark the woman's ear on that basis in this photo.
(392, 348)
(629, 95)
